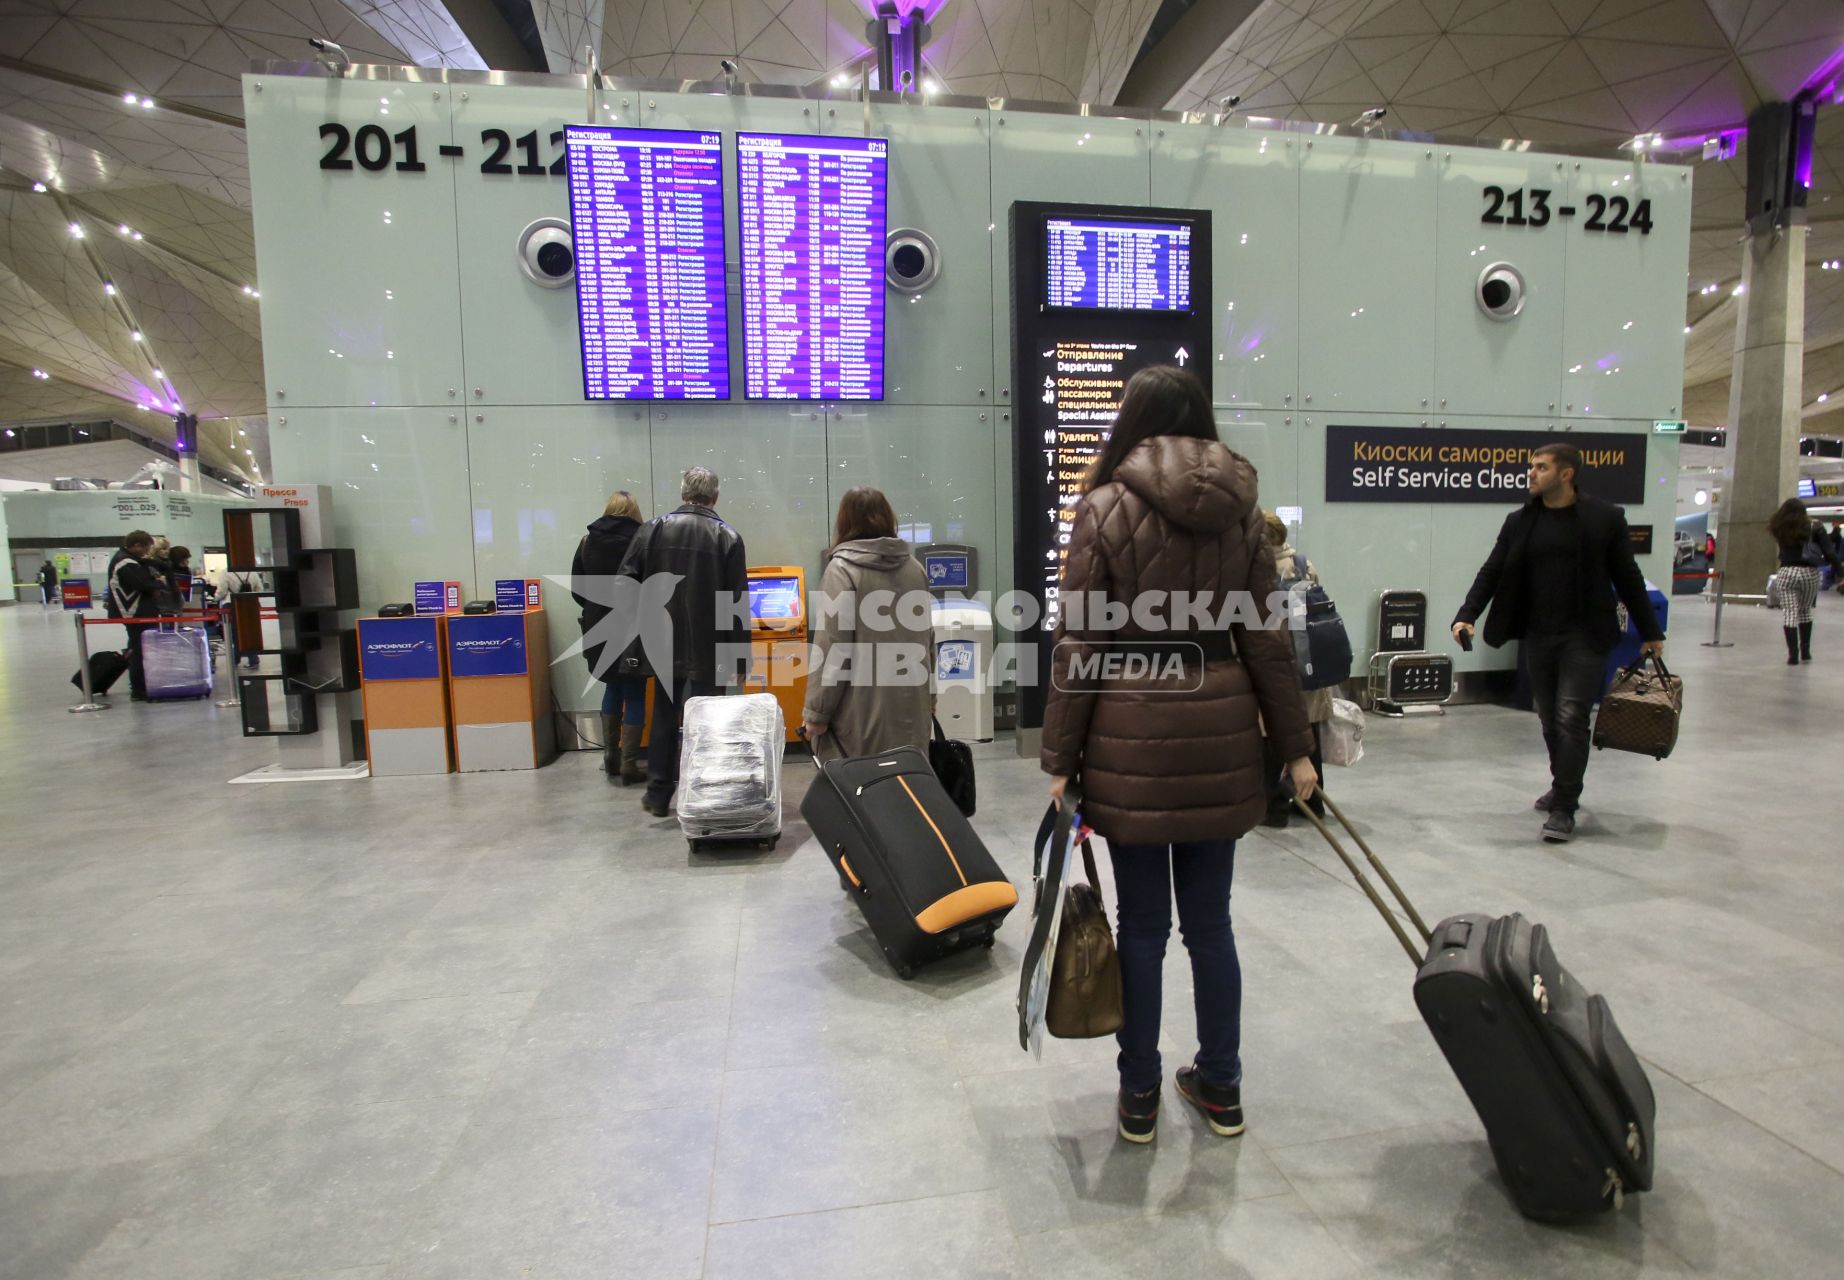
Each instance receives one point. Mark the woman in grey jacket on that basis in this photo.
(869, 690)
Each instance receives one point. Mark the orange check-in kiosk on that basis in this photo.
(778, 638)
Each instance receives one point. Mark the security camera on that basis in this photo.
(329, 55)
(1499, 291)
(729, 66)
(907, 80)
(1368, 120)
(912, 260)
(546, 254)
(1229, 104)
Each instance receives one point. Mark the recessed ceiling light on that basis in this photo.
(76, 231)
(135, 335)
(122, 229)
(147, 104)
(40, 187)
(1823, 396)
(108, 288)
(131, 98)
(158, 374)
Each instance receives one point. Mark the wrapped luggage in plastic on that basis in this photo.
(730, 768)
(177, 664)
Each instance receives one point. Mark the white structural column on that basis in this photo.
(1762, 465)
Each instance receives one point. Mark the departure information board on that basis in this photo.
(647, 216)
(812, 211)
(1149, 270)
(1105, 264)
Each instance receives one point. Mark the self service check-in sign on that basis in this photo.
(1409, 464)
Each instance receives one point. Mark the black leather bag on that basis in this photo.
(952, 761)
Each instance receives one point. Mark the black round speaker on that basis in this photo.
(555, 259)
(912, 262)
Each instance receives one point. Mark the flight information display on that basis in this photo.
(812, 213)
(647, 212)
(1102, 264)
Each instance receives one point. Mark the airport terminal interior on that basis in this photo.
(346, 931)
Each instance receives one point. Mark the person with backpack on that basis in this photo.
(624, 693)
(133, 588)
(1295, 571)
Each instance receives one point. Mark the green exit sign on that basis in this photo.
(1669, 428)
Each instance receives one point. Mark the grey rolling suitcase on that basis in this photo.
(1566, 1105)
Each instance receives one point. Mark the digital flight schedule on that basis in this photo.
(647, 215)
(812, 215)
(1111, 265)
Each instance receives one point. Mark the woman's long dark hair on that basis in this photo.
(1790, 524)
(864, 512)
(1160, 401)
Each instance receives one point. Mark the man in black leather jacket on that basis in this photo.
(1551, 581)
(709, 609)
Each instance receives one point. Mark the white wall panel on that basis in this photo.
(359, 270)
(1367, 218)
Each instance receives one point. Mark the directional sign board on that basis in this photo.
(1099, 292)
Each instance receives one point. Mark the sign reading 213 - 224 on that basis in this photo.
(1530, 207)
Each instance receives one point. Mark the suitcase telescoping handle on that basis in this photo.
(1363, 881)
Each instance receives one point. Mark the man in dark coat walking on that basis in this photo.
(1551, 581)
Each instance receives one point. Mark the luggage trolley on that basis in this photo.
(1403, 673)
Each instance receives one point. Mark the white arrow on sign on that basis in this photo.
(1181, 355)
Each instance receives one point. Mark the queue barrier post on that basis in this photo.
(89, 702)
(1716, 641)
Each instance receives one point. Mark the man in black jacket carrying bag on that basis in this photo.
(133, 586)
(1551, 581)
(708, 557)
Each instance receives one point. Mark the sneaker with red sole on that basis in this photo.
(1221, 1104)
(1139, 1115)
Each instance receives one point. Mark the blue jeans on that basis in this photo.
(1145, 877)
(625, 699)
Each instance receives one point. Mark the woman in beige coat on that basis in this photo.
(869, 689)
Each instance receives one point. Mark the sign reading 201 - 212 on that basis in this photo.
(1414, 464)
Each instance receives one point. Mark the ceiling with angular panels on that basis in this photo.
(1571, 73)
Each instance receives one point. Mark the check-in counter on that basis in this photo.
(403, 679)
(499, 685)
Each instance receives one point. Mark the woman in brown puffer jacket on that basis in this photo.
(1171, 763)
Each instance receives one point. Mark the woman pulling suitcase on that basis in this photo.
(1172, 769)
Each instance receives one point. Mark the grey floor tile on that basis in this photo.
(1697, 1032)
(1051, 1142)
(606, 971)
(27, 1056)
(279, 1192)
(481, 960)
(638, 1058)
(1803, 1107)
(1427, 1202)
(396, 1051)
(614, 1195)
(1738, 1201)
(130, 1097)
(50, 1221)
(1274, 1238)
(964, 1236)
(832, 1135)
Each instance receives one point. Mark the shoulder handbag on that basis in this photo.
(1085, 994)
(952, 761)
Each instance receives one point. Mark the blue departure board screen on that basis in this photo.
(1103, 264)
(812, 212)
(647, 217)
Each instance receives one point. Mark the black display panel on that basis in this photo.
(1117, 264)
(811, 214)
(1069, 367)
(646, 216)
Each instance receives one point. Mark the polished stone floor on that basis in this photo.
(505, 1026)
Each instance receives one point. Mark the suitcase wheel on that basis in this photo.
(990, 940)
(906, 972)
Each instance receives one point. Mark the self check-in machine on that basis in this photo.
(952, 569)
(778, 638)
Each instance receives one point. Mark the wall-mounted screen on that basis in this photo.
(812, 211)
(772, 599)
(1110, 264)
(647, 218)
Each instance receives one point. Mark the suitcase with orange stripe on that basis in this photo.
(908, 857)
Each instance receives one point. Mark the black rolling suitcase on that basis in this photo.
(908, 857)
(1566, 1105)
(106, 668)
